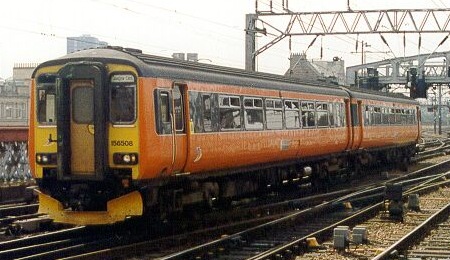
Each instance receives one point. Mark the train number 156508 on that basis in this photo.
(121, 143)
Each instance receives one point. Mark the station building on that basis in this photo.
(15, 96)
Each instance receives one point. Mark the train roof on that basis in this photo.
(380, 96)
(161, 67)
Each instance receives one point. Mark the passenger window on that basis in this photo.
(392, 116)
(253, 116)
(195, 111)
(83, 105)
(339, 115)
(206, 104)
(354, 113)
(163, 120)
(377, 116)
(123, 99)
(46, 105)
(411, 116)
(322, 114)
(292, 114)
(404, 119)
(178, 105)
(274, 114)
(367, 115)
(308, 115)
(331, 113)
(46, 99)
(385, 114)
(203, 111)
(230, 113)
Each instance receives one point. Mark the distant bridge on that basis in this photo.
(434, 68)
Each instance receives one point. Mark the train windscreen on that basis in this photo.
(123, 99)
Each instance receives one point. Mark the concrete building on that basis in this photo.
(83, 42)
(15, 96)
(314, 70)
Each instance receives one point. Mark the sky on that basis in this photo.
(34, 31)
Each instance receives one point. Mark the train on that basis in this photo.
(117, 134)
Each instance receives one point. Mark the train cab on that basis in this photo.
(85, 146)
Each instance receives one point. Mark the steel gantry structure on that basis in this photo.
(435, 67)
(349, 21)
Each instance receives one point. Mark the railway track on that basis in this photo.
(287, 233)
(436, 244)
(25, 247)
(111, 242)
(281, 240)
(435, 208)
(116, 238)
(388, 238)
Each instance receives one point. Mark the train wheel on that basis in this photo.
(208, 200)
(321, 181)
(404, 163)
(357, 167)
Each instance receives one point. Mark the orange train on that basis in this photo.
(115, 133)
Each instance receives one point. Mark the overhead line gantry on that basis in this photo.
(336, 23)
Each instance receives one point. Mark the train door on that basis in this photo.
(81, 122)
(179, 150)
(349, 124)
(356, 116)
(171, 125)
(82, 126)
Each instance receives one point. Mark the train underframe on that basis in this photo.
(81, 202)
(173, 195)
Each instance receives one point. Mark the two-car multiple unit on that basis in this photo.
(115, 133)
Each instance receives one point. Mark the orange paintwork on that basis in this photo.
(156, 151)
(206, 151)
(165, 155)
(387, 135)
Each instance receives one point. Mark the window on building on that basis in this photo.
(9, 110)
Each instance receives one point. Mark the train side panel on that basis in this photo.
(398, 129)
(249, 147)
(162, 154)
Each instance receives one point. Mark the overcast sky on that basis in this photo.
(36, 30)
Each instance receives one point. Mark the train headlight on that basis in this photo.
(125, 158)
(46, 158)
